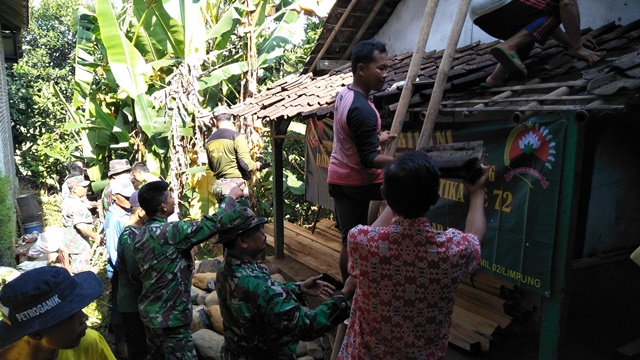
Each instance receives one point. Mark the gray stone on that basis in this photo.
(314, 350)
(200, 320)
(211, 299)
(195, 292)
(208, 266)
(201, 298)
(208, 344)
(301, 350)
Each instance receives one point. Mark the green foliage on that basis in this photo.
(8, 223)
(296, 209)
(42, 149)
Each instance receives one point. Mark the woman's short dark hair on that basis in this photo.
(152, 195)
(364, 53)
(411, 184)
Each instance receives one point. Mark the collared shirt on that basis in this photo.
(407, 278)
(263, 318)
(162, 250)
(115, 220)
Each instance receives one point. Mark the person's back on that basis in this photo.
(408, 272)
(221, 152)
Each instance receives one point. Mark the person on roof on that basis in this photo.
(355, 167)
(521, 24)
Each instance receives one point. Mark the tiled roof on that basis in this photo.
(566, 83)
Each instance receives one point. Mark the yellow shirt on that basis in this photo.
(91, 347)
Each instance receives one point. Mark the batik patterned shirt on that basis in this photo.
(407, 277)
(263, 318)
(162, 251)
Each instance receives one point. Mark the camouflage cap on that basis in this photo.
(117, 166)
(236, 221)
(74, 181)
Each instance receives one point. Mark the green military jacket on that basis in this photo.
(228, 155)
(162, 250)
(129, 284)
(263, 318)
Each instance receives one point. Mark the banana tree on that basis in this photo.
(147, 75)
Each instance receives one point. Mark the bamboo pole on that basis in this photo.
(443, 74)
(333, 34)
(414, 67)
(520, 116)
(363, 28)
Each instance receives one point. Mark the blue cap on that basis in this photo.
(43, 297)
(133, 200)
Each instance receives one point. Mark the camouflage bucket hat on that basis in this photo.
(117, 166)
(236, 221)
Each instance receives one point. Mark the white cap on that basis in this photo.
(123, 187)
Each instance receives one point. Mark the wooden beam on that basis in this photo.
(363, 28)
(278, 128)
(414, 67)
(443, 74)
(325, 64)
(333, 34)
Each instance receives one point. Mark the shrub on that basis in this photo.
(8, 223)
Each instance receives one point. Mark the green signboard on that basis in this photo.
(521, 198)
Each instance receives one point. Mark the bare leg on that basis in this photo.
(518, 41)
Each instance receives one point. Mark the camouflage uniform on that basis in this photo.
(163, 253)
(263, 318)
(74, 211)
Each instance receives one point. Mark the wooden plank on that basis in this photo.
(291, 269)
(321, 240)
(476, 322)
(503, 320)
(318, 263)
(481, 298)
(309, 247)
(464, 338)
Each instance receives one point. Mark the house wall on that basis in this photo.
(400, 33)
(7, 162)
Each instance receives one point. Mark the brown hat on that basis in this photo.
(118, 166)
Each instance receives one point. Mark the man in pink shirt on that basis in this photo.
(408, 272)
(355, 173)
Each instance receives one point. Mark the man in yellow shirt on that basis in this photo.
(42, 317)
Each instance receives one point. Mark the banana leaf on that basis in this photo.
(128, 66)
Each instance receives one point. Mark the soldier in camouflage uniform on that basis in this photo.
(263, 318)
(162, 251)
